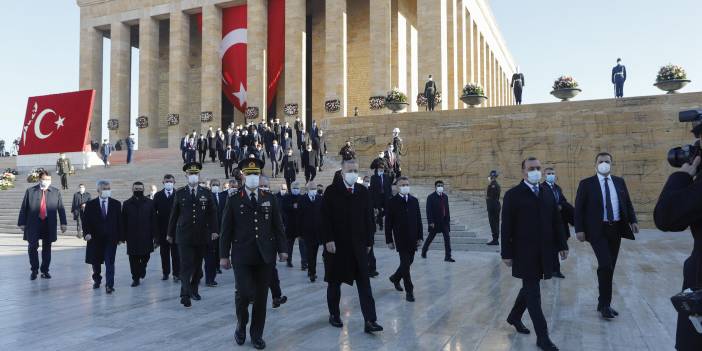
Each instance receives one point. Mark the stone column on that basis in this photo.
(470, 49)
(178, 52)
(148, 81)
(380, 46)
(477, 56)
(335, 70)
(257, 41)
(433, 48)
(451, 47)
(295, 55)
(483, 69)
(91, 75)
(120, 65)
(211, 73)
(488, 76)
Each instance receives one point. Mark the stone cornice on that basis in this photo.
(83, 3)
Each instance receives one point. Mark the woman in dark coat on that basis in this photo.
(139, 230)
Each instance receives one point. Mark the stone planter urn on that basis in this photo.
(672, 86)
(566, 94)
(395, 107)
(473, 100)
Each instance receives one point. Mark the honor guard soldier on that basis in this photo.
(192, 224)
(493, 207)
(252, 234)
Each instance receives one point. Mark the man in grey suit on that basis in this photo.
(37, 219)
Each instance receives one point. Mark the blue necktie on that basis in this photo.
(535, 189)
(608, 202)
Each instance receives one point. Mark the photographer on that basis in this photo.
(680, 206)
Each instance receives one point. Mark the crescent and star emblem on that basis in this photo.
(37, 123)
(237, 36)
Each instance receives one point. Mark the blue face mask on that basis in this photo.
(296, 191)
(551, 178)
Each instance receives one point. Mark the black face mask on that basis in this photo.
(319, 191)
(139, 194)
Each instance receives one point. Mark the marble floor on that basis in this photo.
(460, 306)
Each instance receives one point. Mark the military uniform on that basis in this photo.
(63, 167)
(494, 207)
(252, 234)
(192, 223)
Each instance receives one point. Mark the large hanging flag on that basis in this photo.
(276, 45)
(232, 51)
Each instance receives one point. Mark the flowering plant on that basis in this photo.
(395, 96)
(173, 119)
(473, 89)
(113, 124)
(251, 112)
(565, 82)
(142, 122)
(11, 170)
(376, 102)
(290, 110)
(206, 116)
(7, 181)
(33, 175)
(671, 72)
(422, 100)
(332, 106)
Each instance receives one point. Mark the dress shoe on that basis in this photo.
(559, 275)
(606, 313)
(165, 277)
(410, 297)
(33, 276)
(372, 327)
(546, 344)
(449, 259)
(397, 284)
(185, 301)
(258, 344)
(313, 278)
(335, 321)
(143, 275)
(219, 271)
(373, 274)
(176, 278)
(614, 312)
(240, 335)
(96, 285)
(135, 283)
(424, 254)
(289, 264)
(195, 296)
(493, 242)
(46, 275)
(519, 326)
(212, 284)
(109, 289)
(304, 267)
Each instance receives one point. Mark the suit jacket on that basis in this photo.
(103, 231)
(163, 206)
(139, 225)
(193, 220)
(106, 149)
(430, 88)
(292, 210)
(379, 197)
(276, 153)
(435, 215)
(403, 223)
(310, 158)
(311, 219)
(251, 232)
(289, 167)
(202, 145)
(567, 210)
(589, 208)
(532, 232)
(220, 199)
(29, 213)
(78, 200)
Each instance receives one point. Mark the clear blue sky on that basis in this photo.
(547, 38)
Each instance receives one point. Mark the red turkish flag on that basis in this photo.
(57, 123)
(232, 51)
(276, 45)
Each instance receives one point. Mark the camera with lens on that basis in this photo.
(680, 155)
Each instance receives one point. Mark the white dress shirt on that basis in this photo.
(613, 196)
(249, 192)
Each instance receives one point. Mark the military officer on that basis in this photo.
(493, 206)
(252, 234)
(192, 224)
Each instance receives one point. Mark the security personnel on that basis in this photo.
(252, 233)
(192, 224)
(493, 207)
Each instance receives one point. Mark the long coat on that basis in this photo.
(403, 223)
(567, 210)
(163, 206)
(292, 210)
(532, 232)
(381, 189)
(78, 200)
(438, 212)
(102, 230)
(29, 213)
(311, 219)
(139, 225)
(347, 221)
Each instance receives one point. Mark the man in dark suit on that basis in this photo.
(618, 79)
(202, 147)
(106, 150)
(139, 230)
(276, 156)
(78, 207)
(163, 203)
(319, 144)
(102, 230)
(220, 145)
(299, 129)
(310, 162)
(567, 213)
(439, 220)
(37, 219)
(492, 200)
(293, 224)
(404, 232)
(192, 224)
(211, 143)
(229, 159)
(252, 234)
(277, 297)
(212, 256)
(381, 192)
(311, 223)
(430, 92)
(604, 215)
(531, 232)
(347, 152)
(290, 168)
(184, 147)
(347, 219)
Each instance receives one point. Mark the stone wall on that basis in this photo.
(462, 146)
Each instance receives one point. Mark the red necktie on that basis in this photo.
(42, 207)
(350, 190)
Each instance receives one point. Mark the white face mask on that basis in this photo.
(45, 184)
(63, 157)
(350, 178)
(252, 181)
(550, 178)
(380, 155)
(283, 191)
(404, 190)
(534, 177)
(215, 189)
(439, 189)
(168, 186)
(105, 194)
(604, 168)
(81, 190)
(380, 172)
(366, 184)
(193, 179)
(231, 190)
(311, 193)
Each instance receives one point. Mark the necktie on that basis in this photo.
(555, 193)
(443, 208)
(350, 190)
(42, 206)
(608, 202)
(192, 193)
(535, 189)
(382, 190)
(253, 198)
(104, 209)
